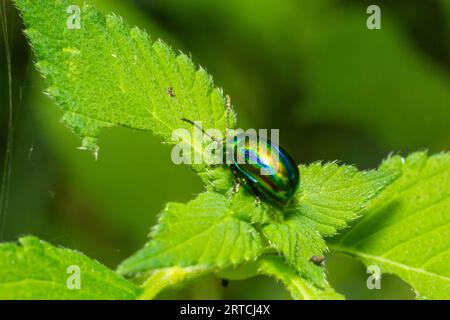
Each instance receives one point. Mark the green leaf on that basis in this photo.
(220, 231)
(34, 269)
(297, 240)
(106, 74)
(300, 288)
(405, 230)
(330, 196)
(275, 266)
(203, 232)
(161, 279)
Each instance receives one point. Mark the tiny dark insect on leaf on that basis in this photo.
(170, 92)
(225, 283)
(317, 260)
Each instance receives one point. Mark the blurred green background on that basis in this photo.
(335, 89)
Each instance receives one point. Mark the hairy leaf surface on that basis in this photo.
(34, 269)
(107, 74)
(204, 231)
(405, 231)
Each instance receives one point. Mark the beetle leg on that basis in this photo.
(236, 187)
(252, 189)
(237, 182)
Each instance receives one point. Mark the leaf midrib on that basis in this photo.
(387, 261)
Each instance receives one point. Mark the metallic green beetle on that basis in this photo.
(279, 182)
(266, 168)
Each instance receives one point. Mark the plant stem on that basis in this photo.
(160, 279)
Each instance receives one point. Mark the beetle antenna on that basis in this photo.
(229, 110)
(200, 128)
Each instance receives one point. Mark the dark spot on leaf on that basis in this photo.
(317, 260)
(170, 92)
(225, 283)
